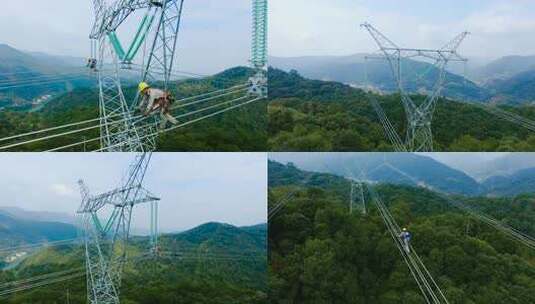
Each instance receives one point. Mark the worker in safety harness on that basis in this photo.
(92, 63)
(153, 100)
(405, 237)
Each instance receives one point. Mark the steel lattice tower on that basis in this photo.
(118, 131)
(106, 241)
(419, 136)
(357, 195)
(161, 25)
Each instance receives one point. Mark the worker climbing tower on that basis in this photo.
(258, 82)
(120, 131)
(419, 136)
(106, 241)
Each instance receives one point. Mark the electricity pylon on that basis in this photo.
(106, 241)
(118, 130)
(419, 136)
(357, 194)
(259, 83)
(159, 28)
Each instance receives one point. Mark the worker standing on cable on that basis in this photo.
(153, 100)
(405, 237)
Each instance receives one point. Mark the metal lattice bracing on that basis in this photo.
(356, 198)
(161, 60)
(119, 131)
(258, 83)
(115, 117)
(116, 124)
(162, 54)
(419, 135)
(122, 126)
(106, 240)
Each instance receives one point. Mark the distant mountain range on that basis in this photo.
(481, 169)
(39, 216)
(508, 80)
(22, 227)
(28, 79)
(503, 68)
(414, 169)
(396, 168)
(15, 230)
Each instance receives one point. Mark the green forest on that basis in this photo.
(313, 115)
(200, 272)
(243, 129)
(319, 253)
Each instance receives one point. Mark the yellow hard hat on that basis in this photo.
(404, 229)
(143, 86)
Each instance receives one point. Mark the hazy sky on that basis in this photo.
(468, 162)
(318, 27)
(194, 187)
(215, 34)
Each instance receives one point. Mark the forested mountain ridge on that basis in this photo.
(506, 80)
(352, 70)
(517, 89)
(398, 168)
(194, 274)
(321, 253)
(15, 231)
(315, 115)
(413, 170)
(242, 129)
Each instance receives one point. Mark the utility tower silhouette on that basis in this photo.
(356, 197)
(106, 241)
(419, 135)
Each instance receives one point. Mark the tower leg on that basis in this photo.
(117, 134)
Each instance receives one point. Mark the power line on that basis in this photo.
(189, 122)
(46, 282)
(42, 244)
(499, 225)
(84, 129)
(430, 289)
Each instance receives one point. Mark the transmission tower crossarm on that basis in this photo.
(106, 245)
(382, 41)
(120, 197)
(419, 116)
(454, 44)
(109, 18)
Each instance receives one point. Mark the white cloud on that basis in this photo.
(63, 190)
(501, 19)
(194, 187)
(314, 27)
(214, 35)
